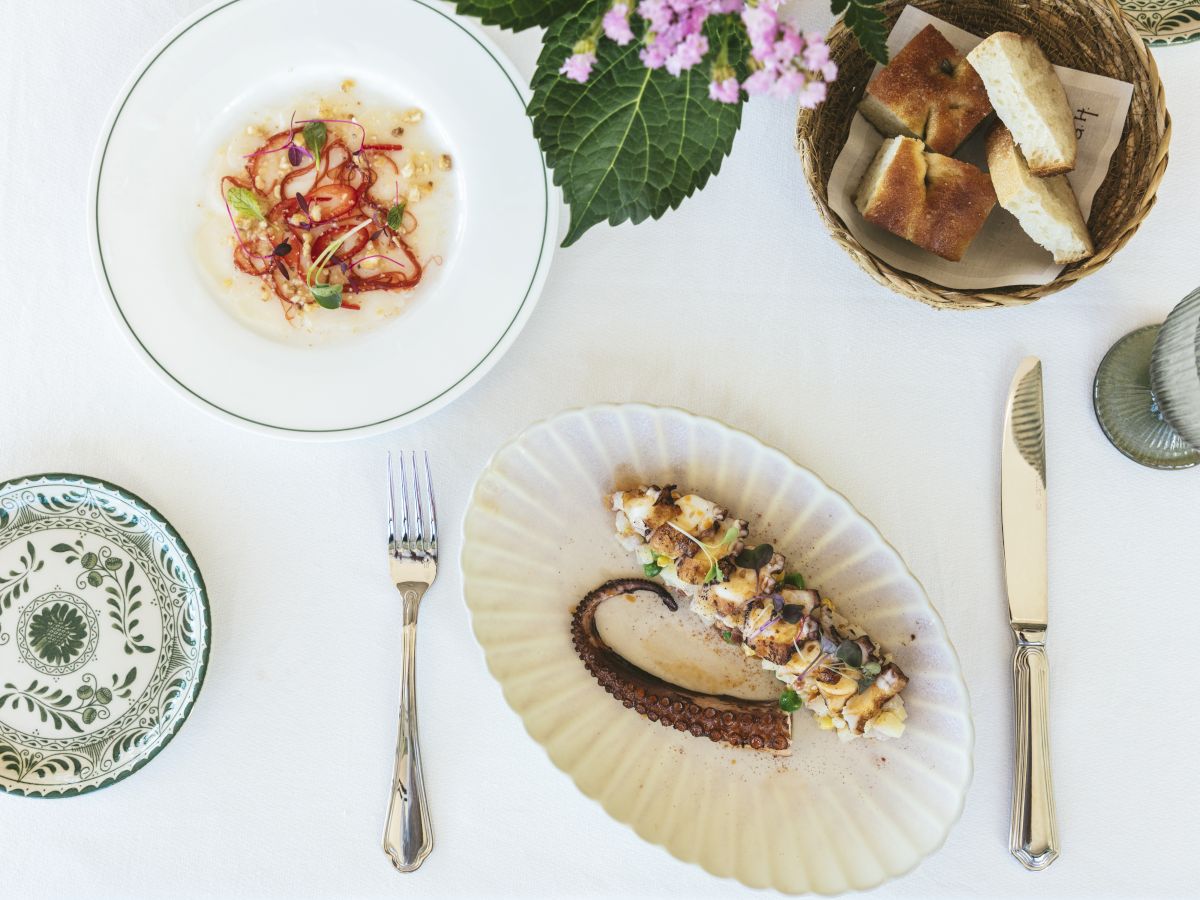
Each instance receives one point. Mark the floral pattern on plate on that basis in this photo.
(1165, 22)
(104, 634)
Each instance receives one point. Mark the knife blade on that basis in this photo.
(1033, 838)
(1023, 498)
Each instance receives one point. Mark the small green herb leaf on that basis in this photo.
(315, 135)
(714, 573)
(727, 637)
(789, 701)
(651, 569)
(755, 557)
(794, 579)
(328, 295)
(245, 203)
(395, 216)
(731, 536)
(850, 653)
(792, 613)
(871, 668)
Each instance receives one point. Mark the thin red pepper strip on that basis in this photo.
(344, 188)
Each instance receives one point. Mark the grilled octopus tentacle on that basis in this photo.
(760, 725)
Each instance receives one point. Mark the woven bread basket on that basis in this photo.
(1090, 35)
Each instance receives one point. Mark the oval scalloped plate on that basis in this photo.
(537, 536)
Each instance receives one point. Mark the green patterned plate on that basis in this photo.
(104, 634)
(1164, 23)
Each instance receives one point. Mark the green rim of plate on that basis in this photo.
(205, 640)
(347, 429)
(1159, 21)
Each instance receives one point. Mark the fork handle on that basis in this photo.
(408, 835)
(1034, 836)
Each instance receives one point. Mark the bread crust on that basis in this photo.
(1029, 99)
(928, 91)
(1046, 208)
(932, 200)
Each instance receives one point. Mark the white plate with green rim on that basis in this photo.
(236, 62)
(1165, 23)
(830, 817)
(104, 634)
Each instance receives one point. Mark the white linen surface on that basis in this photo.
(277, 784)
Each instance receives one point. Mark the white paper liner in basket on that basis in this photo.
(1001, 254)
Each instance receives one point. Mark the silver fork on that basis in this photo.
(412, 562)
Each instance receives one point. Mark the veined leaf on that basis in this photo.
(244, 203)
(865, 19)
(632, 142)
(516, 15)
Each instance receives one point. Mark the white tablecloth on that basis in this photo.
(276, 785)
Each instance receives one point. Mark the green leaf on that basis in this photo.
(651, 569)
(632, 142)
(794, 579)
(850, 653)
(245, 203)
(89, 715)
(62, 548)
(516, 15)
(315, 135)
(727, 637)
(865, 18)
(755, 557)
(789, 701)
(328, 295)
(395, 216)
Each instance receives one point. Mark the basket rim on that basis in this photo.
(936, 295)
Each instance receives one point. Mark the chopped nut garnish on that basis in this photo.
(413, 116)
(397, 131)
(444, 162)
(348, 84)
(414, 194)
(407, 170)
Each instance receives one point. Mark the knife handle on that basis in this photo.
(1034, 836)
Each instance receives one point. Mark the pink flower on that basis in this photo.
(687, 53)
(815, 56)
(578, 66)
(760, 23)
(759, 83)
(813, 94)
(787, 83)
(829, 71)
(616, 24)
(726, 91)
(657, 13)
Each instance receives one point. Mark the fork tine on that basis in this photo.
(391, 493)
(418, 538)
(432, 509)
(404, 505)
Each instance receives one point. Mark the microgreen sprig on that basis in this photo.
(714, 571)
(328, 295)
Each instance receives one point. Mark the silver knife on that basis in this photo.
(1034, 836)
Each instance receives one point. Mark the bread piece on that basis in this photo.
(1029, 99)
(1045, 207)
(934, 201)
(927, 91)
